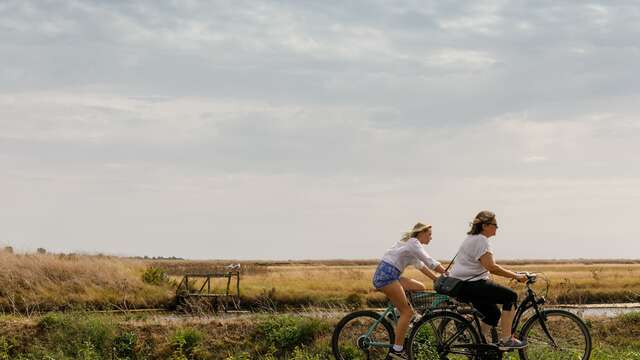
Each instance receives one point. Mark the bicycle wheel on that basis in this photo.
(350, 340)
(443, 335)
(570, 333)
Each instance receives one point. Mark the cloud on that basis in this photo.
(235, 136)
(190, 119)
(534, 159)
(471, 60)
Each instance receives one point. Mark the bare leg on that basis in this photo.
(395, 293)
(486, 331)
(506, 320)
(411, 284)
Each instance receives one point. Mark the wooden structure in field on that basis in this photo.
(201, 290)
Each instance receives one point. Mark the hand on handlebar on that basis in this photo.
(521, 277)
(526, 277)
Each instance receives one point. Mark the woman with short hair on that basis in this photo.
(387, 277)
(473, 264)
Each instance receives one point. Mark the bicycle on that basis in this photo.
(453, 333)
(367, 334)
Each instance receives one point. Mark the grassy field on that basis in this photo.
(303, 336)
(43, 282)
(31, 284)
(331, 282)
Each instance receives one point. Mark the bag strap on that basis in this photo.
(475, 276)
(451, 263)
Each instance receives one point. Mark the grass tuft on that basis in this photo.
(287, 332)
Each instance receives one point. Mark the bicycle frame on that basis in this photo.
(531, 301)
(390, 310)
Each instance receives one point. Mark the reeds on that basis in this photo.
(41, 282)
(567, 283)
(31, 283)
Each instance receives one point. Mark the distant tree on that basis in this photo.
(41, 251)
(8, 249)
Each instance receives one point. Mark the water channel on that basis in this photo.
(600, 310)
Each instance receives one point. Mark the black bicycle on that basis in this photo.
(453, 333)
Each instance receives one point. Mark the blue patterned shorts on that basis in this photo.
(385, 274)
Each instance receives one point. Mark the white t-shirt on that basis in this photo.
(467, 264)
(410, 252)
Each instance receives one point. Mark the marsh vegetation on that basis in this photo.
(44, 300)
(32, 283)
(301, 336)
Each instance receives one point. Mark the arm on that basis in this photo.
(425, 270)
(489, 263)
(440, 269)
(422, 255)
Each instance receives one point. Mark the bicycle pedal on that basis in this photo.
(464, 310)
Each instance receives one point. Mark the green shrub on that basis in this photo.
(154, 276)
(632, 318)
(78, 336)
(242, 356)
(124, 346)
(6, 348)
(285, 333)
(247, 356)
(354, 301)
(98, 332)
(53, 321)
(185, 344)
(87, 351)
(38, 352)
(301, 354)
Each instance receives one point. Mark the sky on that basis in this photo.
(319, 129)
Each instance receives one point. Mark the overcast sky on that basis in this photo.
(319, 129)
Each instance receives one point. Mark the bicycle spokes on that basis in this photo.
(566, 337)
(362, 336)
(443, 338)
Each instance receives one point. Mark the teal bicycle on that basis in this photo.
(369, 335)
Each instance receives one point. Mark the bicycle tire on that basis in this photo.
(425, 342)
(568, 330)
(344, 341)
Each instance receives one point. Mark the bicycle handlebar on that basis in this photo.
(531, 277)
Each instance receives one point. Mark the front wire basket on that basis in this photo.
(424, 301)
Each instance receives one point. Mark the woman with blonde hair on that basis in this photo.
(473, 264)
(387, 278)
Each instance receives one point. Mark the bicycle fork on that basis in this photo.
(542, 318)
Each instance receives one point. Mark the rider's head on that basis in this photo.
(417, 229)
(483, 222)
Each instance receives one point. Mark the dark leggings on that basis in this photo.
(484, 295)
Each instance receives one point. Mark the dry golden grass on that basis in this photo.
(325, 284)
(33, 282)
(321, 283)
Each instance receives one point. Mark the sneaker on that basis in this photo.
(512, 343)
(397, 355)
